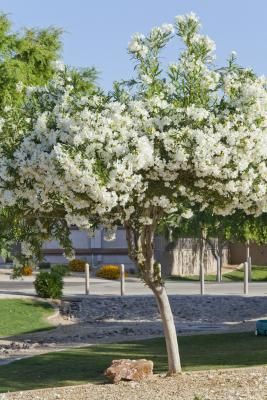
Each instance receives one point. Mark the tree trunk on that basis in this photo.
(218, 275)
(215, 252)
(141, 250)
(174, 364)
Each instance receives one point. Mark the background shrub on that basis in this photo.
(77, 265)
(49, 285)
(109, 272)
(44, 265)
(19, 271)
(61, 269)
(26, 270)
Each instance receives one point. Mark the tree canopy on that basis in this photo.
(26, 59)
(189, 135)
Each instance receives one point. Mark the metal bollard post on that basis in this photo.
(122, 280)
(249, 269)
(87, 279)
(202, 282)
(245, 277)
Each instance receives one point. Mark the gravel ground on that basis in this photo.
(109, 318)
(197, 309)
(106, 319)
(232, 384)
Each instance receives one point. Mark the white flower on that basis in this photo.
(19, 87)
(136, 45)
(58, 65)
(146, 221)
(2, 122)
(30, 90)
(196, 113)
(147, 79)
(187, 214)
(167, 29)
(26, 249)
(201, 40)
(110, 233)
(185, 18)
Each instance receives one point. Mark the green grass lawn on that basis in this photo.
(83, 365)
(259, 274)
(21, 316)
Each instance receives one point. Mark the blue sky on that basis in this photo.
(97, 32)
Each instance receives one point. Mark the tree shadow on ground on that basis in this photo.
(83, 365)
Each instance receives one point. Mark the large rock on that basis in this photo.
(129, 370)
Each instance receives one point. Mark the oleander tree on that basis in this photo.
(169, 139)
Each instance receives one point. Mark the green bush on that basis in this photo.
(61, 269)
(44, 265)
(49, 285)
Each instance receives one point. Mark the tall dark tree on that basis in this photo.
(26, 59)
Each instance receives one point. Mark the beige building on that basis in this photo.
(258, 253)
(95, 250)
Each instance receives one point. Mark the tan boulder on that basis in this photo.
(129, 370)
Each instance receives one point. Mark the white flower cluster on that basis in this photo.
(26, 249)
(112, 161)
(183, 19)
(19, 87)
(137, 45)
(140, 45)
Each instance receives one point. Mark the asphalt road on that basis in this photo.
(75, 286)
